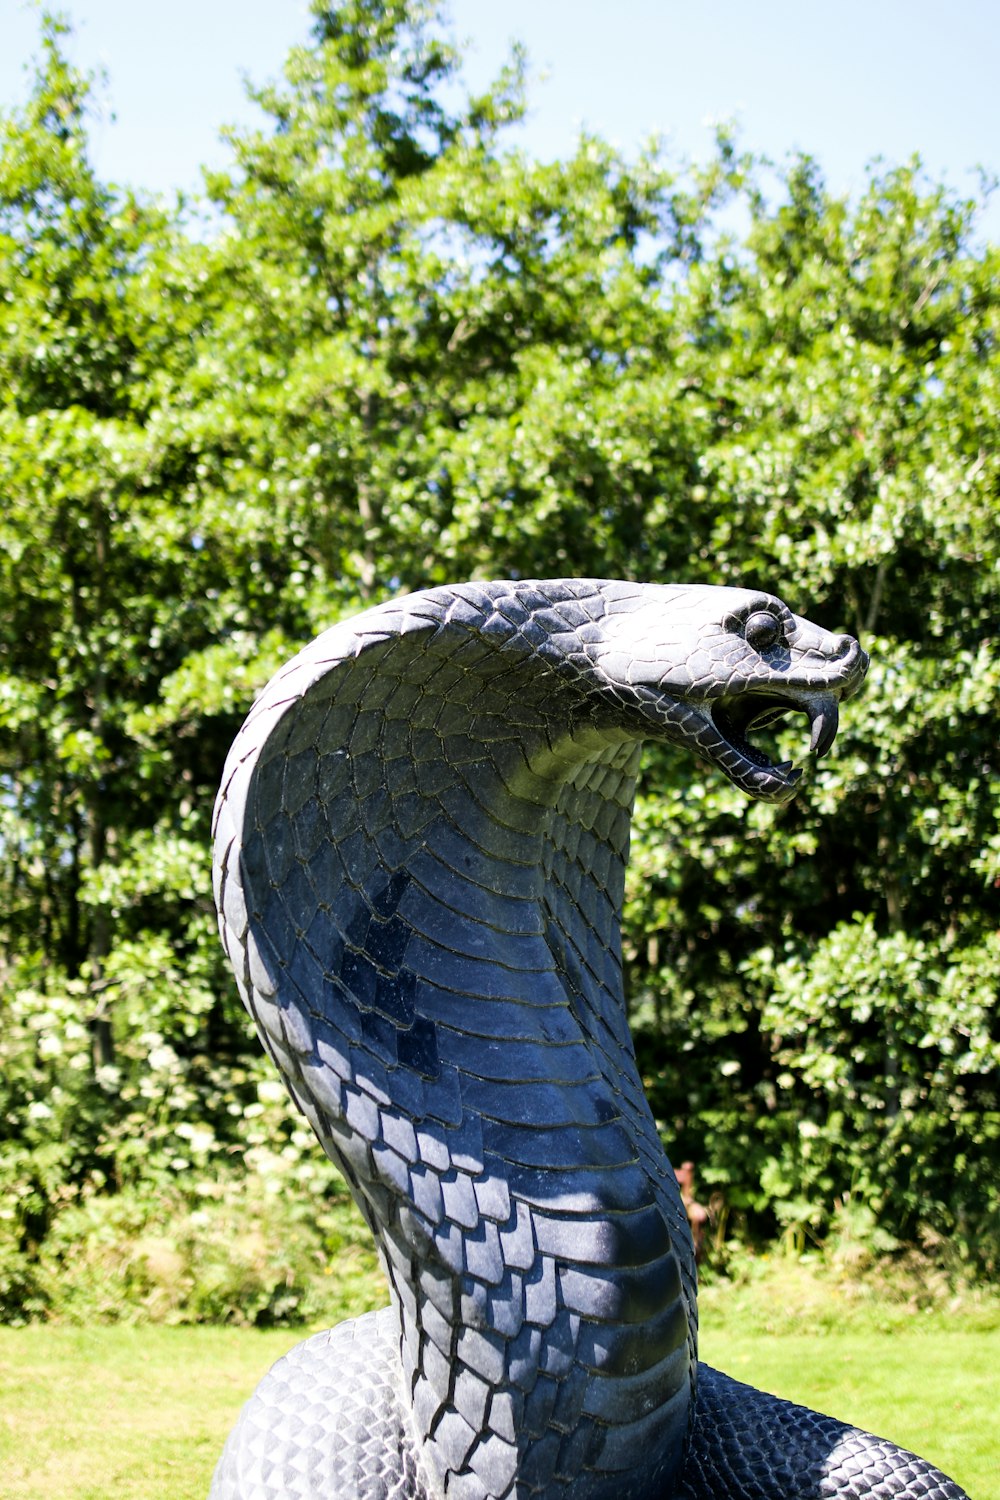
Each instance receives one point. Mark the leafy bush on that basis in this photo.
(245, 1249)
(410, 355)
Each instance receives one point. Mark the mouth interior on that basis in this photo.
(737, 718)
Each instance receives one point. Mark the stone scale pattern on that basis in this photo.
(420, 848)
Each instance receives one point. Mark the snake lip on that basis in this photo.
(736, 718)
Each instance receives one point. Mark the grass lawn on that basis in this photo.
(142, 1413)
(113, 1413)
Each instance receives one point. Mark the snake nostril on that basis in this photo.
(852, 663)
(845, 648)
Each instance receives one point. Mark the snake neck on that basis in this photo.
(539, 1263)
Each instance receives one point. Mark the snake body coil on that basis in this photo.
(420, 849)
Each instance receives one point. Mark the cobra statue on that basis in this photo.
(421, 843)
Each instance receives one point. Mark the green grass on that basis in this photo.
(141, 1413)
(90, 1414)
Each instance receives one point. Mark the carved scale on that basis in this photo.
(420, 848)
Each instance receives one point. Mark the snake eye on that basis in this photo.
(762, 631)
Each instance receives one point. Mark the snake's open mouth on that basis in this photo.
(736, 718)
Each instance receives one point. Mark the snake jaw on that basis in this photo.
(734, 719)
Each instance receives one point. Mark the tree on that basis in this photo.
(848, 358)
(402, 353)
(105, 925)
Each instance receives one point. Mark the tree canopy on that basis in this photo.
(405, 353)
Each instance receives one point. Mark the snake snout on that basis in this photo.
(856, 663)
(846, 662)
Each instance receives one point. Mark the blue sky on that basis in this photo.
(849, 82)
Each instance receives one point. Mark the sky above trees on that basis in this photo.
(845, 86)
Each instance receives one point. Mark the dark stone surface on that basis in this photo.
(422, 831)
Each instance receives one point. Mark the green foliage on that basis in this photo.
(252, 1249)
(403, 353)
(847, 364)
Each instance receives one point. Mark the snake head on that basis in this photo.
(710, 666)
